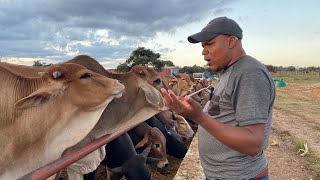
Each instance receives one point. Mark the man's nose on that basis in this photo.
(204, 51)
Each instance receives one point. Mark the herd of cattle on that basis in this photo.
(46, 112)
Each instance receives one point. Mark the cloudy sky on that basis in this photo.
(285, 32)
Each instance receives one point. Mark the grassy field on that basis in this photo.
(301, 94)
(298, 77)
(299, 103)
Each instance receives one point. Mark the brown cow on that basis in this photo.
(180, 86)
(187, 78)
(40, 116)
(143, 135)
(175, 123)
(139, 102)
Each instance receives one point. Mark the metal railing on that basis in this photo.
(71, 157)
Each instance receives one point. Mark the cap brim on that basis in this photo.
(201, 37)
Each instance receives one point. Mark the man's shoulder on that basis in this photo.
(248, 64)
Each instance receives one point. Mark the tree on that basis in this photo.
(123, 67)
(39, 63)
(144, 57)
(192, 69)
(168, 63)
(271, 68)
(291, 68)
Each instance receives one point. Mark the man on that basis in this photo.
(234, 125)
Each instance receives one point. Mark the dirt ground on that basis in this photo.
(296, 121)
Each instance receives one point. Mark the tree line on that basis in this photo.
(276, 69)
(146, 57)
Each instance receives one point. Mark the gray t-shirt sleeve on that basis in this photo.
(252, 97)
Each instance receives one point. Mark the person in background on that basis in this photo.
(234, 126)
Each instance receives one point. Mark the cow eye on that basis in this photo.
(86, 75)
(157, 81)
(157, 145)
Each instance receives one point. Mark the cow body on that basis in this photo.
(40, 116)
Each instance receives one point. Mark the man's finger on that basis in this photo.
(166, 97)
(173, 97)
(192, 102)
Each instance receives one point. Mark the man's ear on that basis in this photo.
(232, 40)
(41, 96)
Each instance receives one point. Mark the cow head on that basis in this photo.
(148, 74)
(182, 127)
(73, 82)
(188, 79)
(135, 167)
(158, 146)
(180, 86)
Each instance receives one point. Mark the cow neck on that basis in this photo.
(113, 75)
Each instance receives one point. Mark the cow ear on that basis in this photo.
(153, 97)
(173, 82)
(41, 96)
(174, 115)
(141, 72)
(143, 141)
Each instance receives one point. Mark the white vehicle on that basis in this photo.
(198, 76)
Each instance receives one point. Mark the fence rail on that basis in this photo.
(69, 158)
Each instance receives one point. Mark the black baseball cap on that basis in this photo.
(216, 27)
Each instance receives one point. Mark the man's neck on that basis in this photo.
(235, 58)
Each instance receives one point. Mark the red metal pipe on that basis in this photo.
(66, 160)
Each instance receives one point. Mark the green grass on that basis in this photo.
(295, 100)
(298, 77)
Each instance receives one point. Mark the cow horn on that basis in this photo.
(146, 151)
(56, 74)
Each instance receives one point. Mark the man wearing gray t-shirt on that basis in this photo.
(235, 124)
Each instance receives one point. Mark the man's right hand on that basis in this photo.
(184, 106)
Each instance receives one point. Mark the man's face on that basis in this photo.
(217, 52)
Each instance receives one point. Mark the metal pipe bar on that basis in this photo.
(196, 92)
(69, 158)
